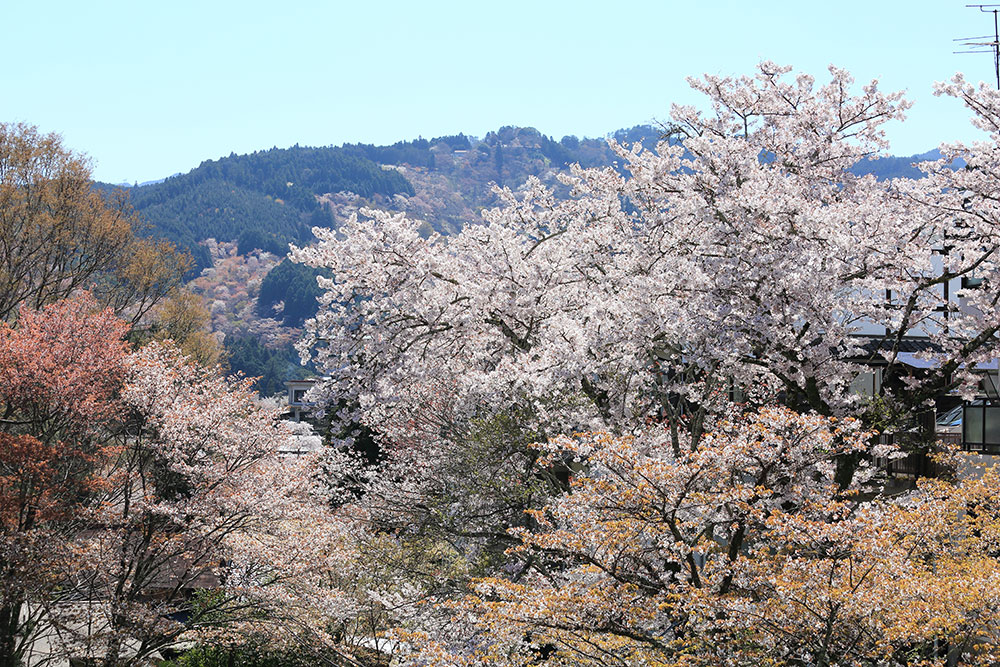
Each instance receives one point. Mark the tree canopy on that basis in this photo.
(289, 292)
(57, 235)
(272, 193)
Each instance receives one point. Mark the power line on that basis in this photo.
(974, 45)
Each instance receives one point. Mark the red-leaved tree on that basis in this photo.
(60, 371)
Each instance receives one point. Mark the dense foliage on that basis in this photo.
(296, 174)
(191, 212)
(270, 368)
(58, 236)
(247, 655)
(742, 257)
(289, 292)
(255, 239)
(123, 476)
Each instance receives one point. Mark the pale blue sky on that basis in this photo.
(148, 89)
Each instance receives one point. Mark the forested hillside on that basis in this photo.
(273, 193)
(289, 291)
(276, 196)
(454, 176)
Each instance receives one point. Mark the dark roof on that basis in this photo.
(872, 347)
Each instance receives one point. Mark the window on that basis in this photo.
(972, 283)
(981, 426)
(867, 383)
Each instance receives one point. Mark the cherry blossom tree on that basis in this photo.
(196, 468)
(958, 214)
(707, 260)
(741, 252)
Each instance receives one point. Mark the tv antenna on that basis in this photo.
(974, 46)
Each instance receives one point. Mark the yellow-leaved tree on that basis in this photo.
(58, 234)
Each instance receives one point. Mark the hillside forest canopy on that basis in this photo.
(613, 420)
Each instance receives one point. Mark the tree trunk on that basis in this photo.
(10, 625)
(847, 465)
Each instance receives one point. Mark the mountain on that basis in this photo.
(270, 198)
(274, 193)
(454, 176)
(896, 167)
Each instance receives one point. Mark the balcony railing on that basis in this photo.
(917, 462)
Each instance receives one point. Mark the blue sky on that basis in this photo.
(148, 89)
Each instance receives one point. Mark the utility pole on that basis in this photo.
(974, 46)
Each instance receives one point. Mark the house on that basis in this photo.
(298, 407)
(972, 424)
